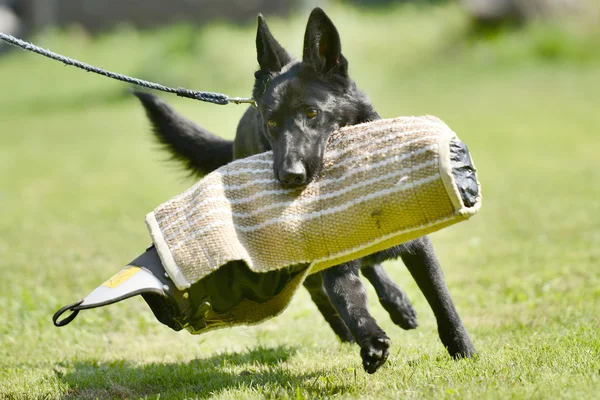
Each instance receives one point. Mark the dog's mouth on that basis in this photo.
(314, 168)
(293, 186)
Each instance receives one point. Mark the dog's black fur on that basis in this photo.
(299, 104)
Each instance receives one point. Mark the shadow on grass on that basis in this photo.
(259, 371)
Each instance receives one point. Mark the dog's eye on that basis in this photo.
(311, 113)
(272, 123)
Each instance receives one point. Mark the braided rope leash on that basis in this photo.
(209, 97)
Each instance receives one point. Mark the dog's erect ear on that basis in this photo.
(271, 56)
(322, 45)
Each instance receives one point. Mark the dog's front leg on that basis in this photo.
(348, 295)
(391, 296)
(420, 259)
(314, 285)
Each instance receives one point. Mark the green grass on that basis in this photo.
(78, 172)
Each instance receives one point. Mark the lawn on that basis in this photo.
(79, 171)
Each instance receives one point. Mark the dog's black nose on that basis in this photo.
(293, 176)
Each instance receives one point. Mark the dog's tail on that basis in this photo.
(201, 151)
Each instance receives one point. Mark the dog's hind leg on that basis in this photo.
(314, 285)
(420, 259)
(347, 293)
(391, 296)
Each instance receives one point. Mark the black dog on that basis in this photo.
(299, 104)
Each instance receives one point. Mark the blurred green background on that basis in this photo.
(79, 170)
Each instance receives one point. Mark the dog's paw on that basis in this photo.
(462, 350)
(401, 312)
(375, 352)
(458, 343)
